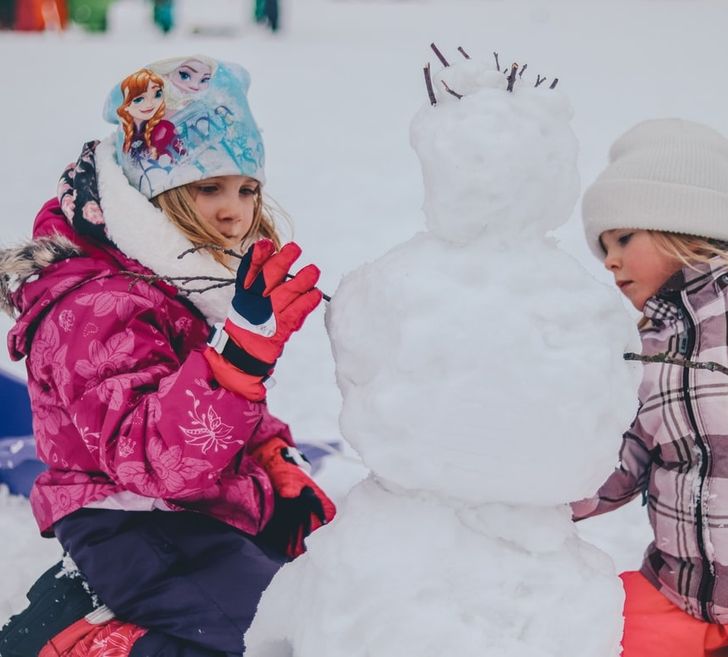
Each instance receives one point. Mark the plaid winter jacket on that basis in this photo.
(676, 451)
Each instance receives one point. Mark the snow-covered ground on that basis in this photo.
(334, 94)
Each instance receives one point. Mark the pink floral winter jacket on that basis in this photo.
(126, 413)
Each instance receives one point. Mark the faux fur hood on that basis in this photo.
(97, 210)
(23, 263)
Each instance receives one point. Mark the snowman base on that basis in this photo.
(409, 574)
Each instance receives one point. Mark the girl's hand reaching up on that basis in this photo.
(266, 310)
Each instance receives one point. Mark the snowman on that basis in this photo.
(484, 387)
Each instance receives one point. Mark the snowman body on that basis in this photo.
(483, 385)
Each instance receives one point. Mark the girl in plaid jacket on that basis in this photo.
(658, 218)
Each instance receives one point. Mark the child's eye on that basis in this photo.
(207, 189)
(248, 191)
(624, 239)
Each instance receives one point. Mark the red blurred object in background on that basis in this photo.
(39, 15)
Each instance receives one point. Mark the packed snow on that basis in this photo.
(443, 349)
(334, 93)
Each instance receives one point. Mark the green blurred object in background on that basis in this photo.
(164, 14)
(89, 14)
(7, 14)
(266, 11)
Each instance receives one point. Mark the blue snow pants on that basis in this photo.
(193, 581)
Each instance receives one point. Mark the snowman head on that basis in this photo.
(497, 152)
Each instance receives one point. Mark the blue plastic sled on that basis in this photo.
(18, 463)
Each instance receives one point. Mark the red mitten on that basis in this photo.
(301, 507)
(266, 310)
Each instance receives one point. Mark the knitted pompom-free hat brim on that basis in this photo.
(664, 174)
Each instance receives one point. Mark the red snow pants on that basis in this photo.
(655, 627)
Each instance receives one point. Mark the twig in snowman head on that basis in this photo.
(230, 252)
(428, 84)
(450, 91)
(512, 76)
(440, 56)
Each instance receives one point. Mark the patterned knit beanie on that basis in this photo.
(664, 174)
(182, 120)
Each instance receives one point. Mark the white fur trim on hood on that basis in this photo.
(144, 233)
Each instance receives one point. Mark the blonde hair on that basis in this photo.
(135, 85)
(689, 249)
(178, 204)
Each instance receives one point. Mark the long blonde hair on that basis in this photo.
(178, 204)
(689, 249)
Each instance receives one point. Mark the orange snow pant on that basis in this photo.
(655, 627)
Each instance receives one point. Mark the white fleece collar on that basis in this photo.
(142, 232)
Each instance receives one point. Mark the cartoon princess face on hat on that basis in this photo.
(141, 114)
(187, 78)
(191, 76)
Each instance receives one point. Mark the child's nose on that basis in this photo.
(229, 208)
(611, 262)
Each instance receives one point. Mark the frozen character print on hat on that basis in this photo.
(187, 79)
(182, 119)
(146, 132)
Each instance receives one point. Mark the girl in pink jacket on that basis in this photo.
(151, 307)
(658, 218)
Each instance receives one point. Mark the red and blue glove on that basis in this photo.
(266, 309)
(301, 507)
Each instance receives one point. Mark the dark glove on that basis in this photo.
(301, 507)
(266, 310)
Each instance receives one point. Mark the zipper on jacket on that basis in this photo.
(705, 588)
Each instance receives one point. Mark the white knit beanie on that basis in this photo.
(663, 174)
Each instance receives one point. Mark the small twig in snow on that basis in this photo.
(523, 70)
(497, 63)
(554, 83)
(512, 76)
(440, 56)
(539, 80)
(450, 91)
(463, 53)
(428, 84)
